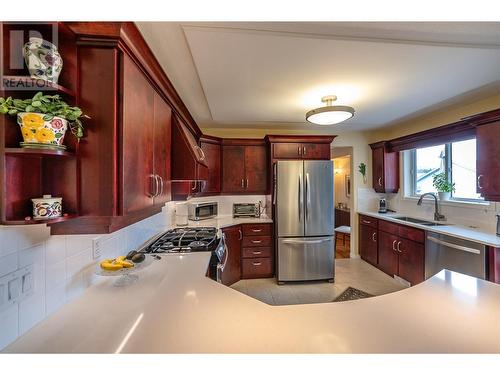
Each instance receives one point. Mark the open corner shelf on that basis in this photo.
(38, 152)
(28, 83)
(32, 221)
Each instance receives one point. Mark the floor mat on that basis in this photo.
(350, 294)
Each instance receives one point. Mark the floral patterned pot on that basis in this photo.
(47, 207)
(42, 59)
(43, 130)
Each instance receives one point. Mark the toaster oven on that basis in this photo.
(246, 209)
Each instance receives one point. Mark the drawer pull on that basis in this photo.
(256, 241)
(256, 230)
(366, 222)
(257, 263)
(256, 252)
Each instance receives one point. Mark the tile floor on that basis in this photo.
(348, 272)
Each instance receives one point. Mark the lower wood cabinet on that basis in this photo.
(368, 246)
(232, 271)
(257, 251)
(254, 268)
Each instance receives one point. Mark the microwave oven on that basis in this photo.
(202, 210)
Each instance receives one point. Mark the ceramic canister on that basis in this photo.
(36, 129)
(42, 59)
(46, 207)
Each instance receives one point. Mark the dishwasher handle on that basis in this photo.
(454, 246)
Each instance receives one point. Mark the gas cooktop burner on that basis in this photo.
(182, 240)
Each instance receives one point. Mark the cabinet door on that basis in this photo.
(411, 261)
(162, 142)
(233, 169)
(137, 139)
(488, 160)
(319, 151)
(255, 169)
(378, 169)
(213, 159)
(287, 151)
(368, 244)
(232, 271)
(387, 253)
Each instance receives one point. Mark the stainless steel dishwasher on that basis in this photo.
(454, 254)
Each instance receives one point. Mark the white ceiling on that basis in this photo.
(270, 74)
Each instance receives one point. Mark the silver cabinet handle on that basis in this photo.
(256, 263)
(256, 252)
(304, 150)
(454, 246)
(161, 184)
(394, 245)
(200, 151)
(247, 183)
(308, 196)
(242, 183)
(154, 190)
(479, 178)
(195, 184)
(374, 237)
(366, 222)
(256, 241)
(399, 244)
(298, 150)
(380, 181)
(241, 234)
(256, 230)
(226, 248)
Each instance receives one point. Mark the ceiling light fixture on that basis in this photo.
(329, 114)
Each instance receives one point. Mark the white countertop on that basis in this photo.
(489, 239)
(174, 308)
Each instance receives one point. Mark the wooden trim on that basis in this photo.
(484, 118)
(210, 139)
(243, 142)
(300, 138)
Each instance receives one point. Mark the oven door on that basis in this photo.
(222, 253)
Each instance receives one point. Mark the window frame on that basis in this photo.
(448, 171)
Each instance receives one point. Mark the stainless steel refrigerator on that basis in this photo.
(304, 220)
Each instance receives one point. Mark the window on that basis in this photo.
(457, 160)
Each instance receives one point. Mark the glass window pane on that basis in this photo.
(463, 157)
(429, 161)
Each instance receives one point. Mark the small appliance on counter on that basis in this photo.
(47, 207)
(188, 240)
(202, 210)
(181, 214)
(246, 209)
(382, 206)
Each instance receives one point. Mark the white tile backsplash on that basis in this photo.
(63, 266)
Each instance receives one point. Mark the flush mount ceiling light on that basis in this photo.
(329, 114)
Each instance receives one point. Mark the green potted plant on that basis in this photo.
(443, 186)
(44, 119)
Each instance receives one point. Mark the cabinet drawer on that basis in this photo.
(257, 241)
(388, 227)
(414, 234)
(257, 229)
(367, 220)
(256, 267)
(256, 252)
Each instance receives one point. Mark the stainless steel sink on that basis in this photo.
(419, 221)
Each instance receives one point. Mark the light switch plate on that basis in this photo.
(12, 289)
(96, 248)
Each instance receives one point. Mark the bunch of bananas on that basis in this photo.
(116, 264)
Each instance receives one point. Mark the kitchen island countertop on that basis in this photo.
(174, 308)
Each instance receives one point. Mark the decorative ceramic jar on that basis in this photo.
(40, 132)
(444, 196)
(42, 59)
(47, 207)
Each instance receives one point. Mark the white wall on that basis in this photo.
(63, 266)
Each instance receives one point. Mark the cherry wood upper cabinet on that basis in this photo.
(162, 146)
(488, 160)
(300, 147)
(385, 168)
(212, 149)
(244, 166)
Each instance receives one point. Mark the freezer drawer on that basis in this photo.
(305, 258)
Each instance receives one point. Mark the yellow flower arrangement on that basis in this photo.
(28, 135)
(33, 120)
(44, 135)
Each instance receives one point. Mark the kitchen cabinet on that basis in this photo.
(488, 161)
(401, 251)
(232, 270)
(309, 151)
(368, 245)
(244, 167)
(257, 251)
(385, 168)
(212, 149)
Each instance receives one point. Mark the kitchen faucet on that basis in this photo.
(437, 215)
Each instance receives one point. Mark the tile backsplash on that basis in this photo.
(63, 266)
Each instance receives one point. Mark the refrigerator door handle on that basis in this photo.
(308, 196)
(307, 242)
(300, 199)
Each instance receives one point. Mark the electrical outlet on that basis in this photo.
(96, 248)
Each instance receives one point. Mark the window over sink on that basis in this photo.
(457, 160)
